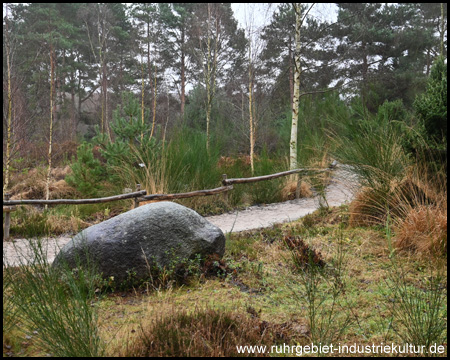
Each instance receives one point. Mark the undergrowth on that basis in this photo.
(316, 280)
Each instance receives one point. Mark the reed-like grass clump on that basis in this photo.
(57, 307)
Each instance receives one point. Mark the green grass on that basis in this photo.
(373, 147)
(56, 308)
(29, 222)
(417, 308)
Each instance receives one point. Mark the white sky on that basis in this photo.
(262, 12)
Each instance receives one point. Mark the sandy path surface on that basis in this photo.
(342, 188)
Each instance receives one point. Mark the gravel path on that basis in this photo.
(341, 189)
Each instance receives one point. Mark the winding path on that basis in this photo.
(342, 188)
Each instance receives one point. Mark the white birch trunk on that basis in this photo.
(250, 107)
(296, 97)
(50, 140)
(9, 125)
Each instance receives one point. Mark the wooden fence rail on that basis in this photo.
(8, 205)
(141, 195)
(188, 194)
(226, 181)
(76, 201)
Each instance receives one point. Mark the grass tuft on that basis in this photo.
(56, 306)
(203, 332)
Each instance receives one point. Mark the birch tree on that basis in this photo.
(146, 13)
(219, 48)
(250, 106)
(209, 63)
(296, 94)
(50, 41)
(50, 139)
(255, 47)
(108, 36)
(7, 45)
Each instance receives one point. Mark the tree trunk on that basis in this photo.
(210, 73)
(365, 70)
(150, 77)
(296, 98)
(73, 120)
(167, 121)
(183, 75)
(105, 97)
(154, 105)
(142, 99)
(291, 73)
(442, 31)
(208, 80)
(50, 140)
(9, 116)
(250, 106)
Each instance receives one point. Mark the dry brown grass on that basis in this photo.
(420, 218)
(32, 185)
(417, 205)
(323, 178)
(366, 209)
(289, 190)
(424, 230)
(303, 255)
(229, 161)
(61, 190)
(142, 203)
(59, 173)
(62, 224)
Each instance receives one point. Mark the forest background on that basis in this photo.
(98, 98)
(173, 95)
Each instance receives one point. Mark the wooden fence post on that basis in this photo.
(136, 200)
(298, 188)
(224, 183)
(7, 210)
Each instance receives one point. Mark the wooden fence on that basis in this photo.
(140, 195)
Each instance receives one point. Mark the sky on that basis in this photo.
(262, 12)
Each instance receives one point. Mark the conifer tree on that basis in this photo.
(177, 19)
(431, 107)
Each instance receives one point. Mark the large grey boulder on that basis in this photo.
(153, 234)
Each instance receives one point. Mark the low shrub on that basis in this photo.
(204, 332)
(87, 171)
(417, 309)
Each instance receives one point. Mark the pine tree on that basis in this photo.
(146, 15)
(87, 172)
(279, 36)
(431, 107)
(176, 19)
